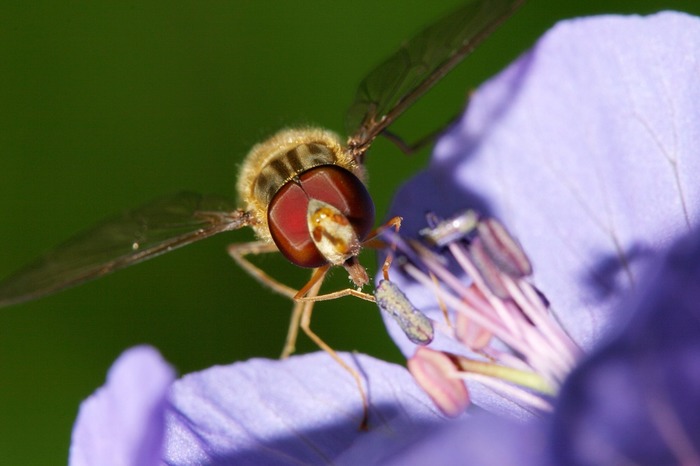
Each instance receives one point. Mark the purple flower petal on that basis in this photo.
(123, 423)
(482, 439)
(638, 399)
(586, 149)
(301, 410)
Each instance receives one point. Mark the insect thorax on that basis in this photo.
(274, 162)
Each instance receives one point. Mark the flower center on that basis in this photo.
(510, 339)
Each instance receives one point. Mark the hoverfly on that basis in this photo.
(302, 190)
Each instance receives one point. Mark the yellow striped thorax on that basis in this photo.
(285, 155)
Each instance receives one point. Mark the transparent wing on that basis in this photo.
(389, 89)
(134, 236)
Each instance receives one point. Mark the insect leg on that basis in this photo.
(300, 303)
(290, 343)
(238, 253)
(240, 250)
(412, 148)
(338, 294)
(304, 294)
(316, 278)
(372, 241)
(306, 327)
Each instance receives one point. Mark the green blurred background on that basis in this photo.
(106, 105)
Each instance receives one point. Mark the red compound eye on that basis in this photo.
(286, 214)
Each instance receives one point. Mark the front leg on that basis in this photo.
(238, 253)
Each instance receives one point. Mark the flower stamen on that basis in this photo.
(512, 341)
